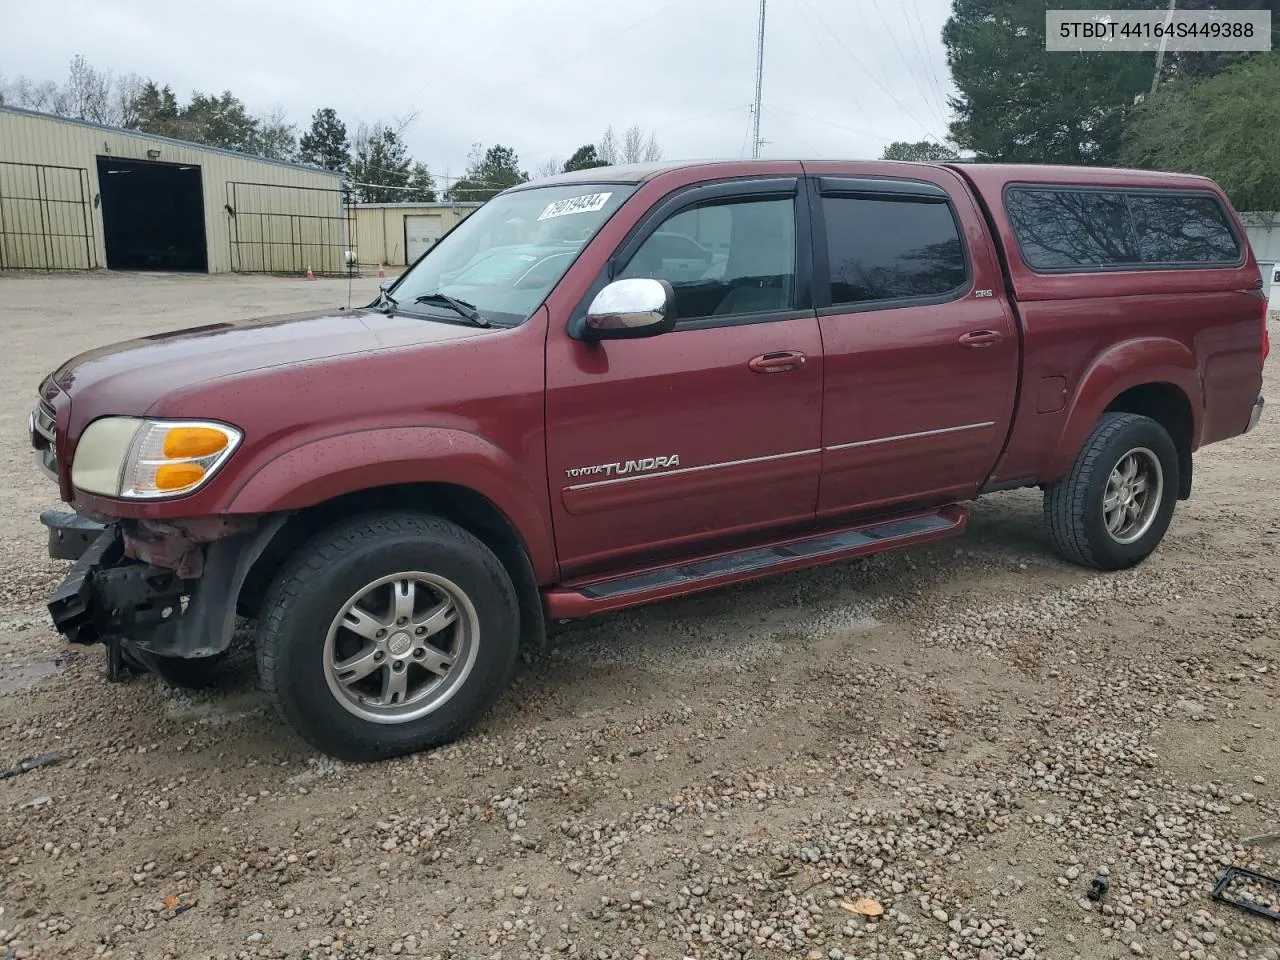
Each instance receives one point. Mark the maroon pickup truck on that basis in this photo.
(632, 383)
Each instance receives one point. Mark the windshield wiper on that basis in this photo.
(460, 307)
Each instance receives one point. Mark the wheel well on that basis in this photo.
(1167, 405)
(472, 511)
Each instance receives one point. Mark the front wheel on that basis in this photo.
(1112, 510)
(388, 634)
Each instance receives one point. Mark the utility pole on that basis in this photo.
(755, 110)
(1164, 41)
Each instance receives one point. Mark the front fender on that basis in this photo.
(1120, 368)
(321, 469)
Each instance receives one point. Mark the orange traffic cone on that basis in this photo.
(381, 273)
(310, 275)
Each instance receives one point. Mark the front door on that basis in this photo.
(681, 441)
(921, 349)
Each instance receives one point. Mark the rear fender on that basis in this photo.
(320, 470)
(1123, 366)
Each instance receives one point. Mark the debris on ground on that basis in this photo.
(1100, 885)
(864, 906)
(1246, 889)
(34, 763)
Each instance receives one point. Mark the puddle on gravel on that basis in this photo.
(20, 676)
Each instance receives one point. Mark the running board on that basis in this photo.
(658, 583)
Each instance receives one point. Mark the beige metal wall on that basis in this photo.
(286, 228)
(289, 207)
(46, 218)
(380, 227)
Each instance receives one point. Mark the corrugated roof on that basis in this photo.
(161, 139)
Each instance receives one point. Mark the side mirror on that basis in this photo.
(626, 309)
(385, 285)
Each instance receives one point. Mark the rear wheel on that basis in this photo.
(1112, 510)
(388, 634)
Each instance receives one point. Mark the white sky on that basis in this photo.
(842, 77)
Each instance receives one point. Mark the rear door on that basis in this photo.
(687, 440)
(921, 351)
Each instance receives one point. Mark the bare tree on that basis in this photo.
(652, 151)
(88, 94)
(34, 96)
(607, 148)
(275, 137)
(402, 124)
(633, 144)
(124, 97)
(634, 148)
(548, 169)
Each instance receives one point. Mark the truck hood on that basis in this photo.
(130, 376)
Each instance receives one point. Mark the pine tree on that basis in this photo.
(380, 167)
(584, 158)
(488, 174)
(325, 144)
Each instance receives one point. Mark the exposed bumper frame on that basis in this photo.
(70, 534)
(107, 596)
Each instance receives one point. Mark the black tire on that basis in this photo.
(312, 589)
(1073, 507)
(184, 673)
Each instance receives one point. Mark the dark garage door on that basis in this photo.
(152, 215)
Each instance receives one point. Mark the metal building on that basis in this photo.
(396, 234)
(1264, 236)
(76, 195)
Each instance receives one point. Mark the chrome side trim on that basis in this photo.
(699, 469)
(779, 456)
(912, 436)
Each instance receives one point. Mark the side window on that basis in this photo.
(1069, 229)
(723, 259)
(1060, 229)
(884, 249)
(1176, 229)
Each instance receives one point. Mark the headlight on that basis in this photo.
(149, 459)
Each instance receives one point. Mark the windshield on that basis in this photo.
(504, 259)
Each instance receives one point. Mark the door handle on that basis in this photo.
(981, 338)
(778, 362)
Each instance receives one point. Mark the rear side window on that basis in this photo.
(1060, 229)
(885, 249)
(1072, 230)
(1182, 230)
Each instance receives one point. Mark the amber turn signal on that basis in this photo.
(189, 443)
(175, 476)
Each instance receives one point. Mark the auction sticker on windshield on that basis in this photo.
(591, 203)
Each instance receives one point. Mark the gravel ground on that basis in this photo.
(967, 734)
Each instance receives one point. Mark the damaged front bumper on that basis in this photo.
(110, 597)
